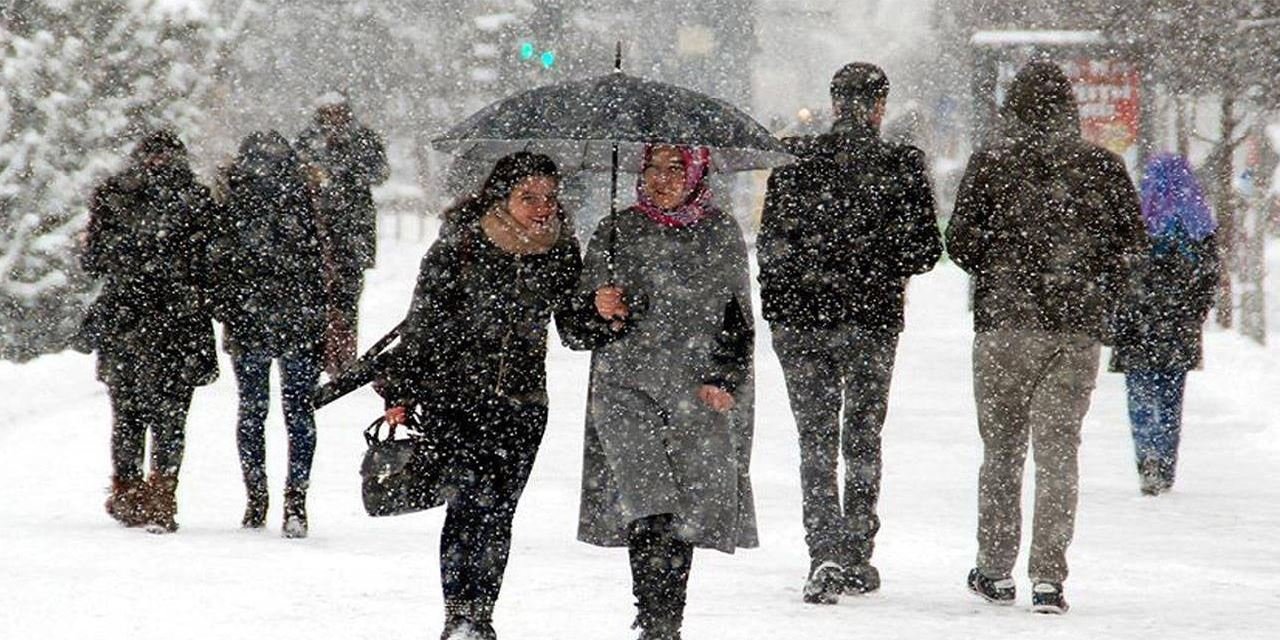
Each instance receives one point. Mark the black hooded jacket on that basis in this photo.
(1159, 326)
(266, 254)
(1048, 225)
(843, 229)
(147, 242)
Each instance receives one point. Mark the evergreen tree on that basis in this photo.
(82, 78)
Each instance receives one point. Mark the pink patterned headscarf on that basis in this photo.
(696, 205)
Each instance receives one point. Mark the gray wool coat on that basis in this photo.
(651, 447)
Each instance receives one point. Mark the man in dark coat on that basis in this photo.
(151, 324)
(343, 160)
(1048, 226)
(843, 229)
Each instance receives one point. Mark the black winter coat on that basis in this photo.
(1160, 323)
(843, 229)
(1049, 228)
(148, 242)
(1048, 225)
(477, 329)
(354, 159)
(267, 260)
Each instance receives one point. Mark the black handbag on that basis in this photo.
(404, 475)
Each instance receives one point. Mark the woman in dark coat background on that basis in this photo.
(151, 324)
(270, 295)
(667, 449)
(1159, 327)
(473, 358)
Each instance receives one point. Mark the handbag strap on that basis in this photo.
(372, 433)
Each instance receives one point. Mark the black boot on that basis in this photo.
(1149, 477)
(860, 578)
(660, 577)
(295, 513)
(658, 620)
(1166, 473)
(825, 583)
(468, 621)
(255, 510)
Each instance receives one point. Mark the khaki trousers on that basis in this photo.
(1031, 387)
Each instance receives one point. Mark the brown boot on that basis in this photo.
(162, 503)
(125, 502)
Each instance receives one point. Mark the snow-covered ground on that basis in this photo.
(1198, 563)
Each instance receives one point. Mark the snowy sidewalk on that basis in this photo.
(1199, 563)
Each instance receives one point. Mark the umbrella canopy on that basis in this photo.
(578, 123)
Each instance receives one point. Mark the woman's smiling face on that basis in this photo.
(534, 201)
(663, 178)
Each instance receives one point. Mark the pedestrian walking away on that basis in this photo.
(151, 324)
(1049, 227)
(1159, 328)
(269, 293)
(472, 360)
(669, 418)
(842, 231)
(342, 160)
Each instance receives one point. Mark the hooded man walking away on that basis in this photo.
(843, 230)
(1048, 226)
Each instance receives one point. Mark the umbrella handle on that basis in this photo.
(613, 181)
(613, 211)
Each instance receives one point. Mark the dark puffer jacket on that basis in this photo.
(266, 255)
(148, 243)
(1160, 324)
(477, 329)
(1048, 225)
(843, 229)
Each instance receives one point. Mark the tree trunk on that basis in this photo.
(1223, 173)
(1183, 129)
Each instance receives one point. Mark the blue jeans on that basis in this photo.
(1155, 413)
(299, 374)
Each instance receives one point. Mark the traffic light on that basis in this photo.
(529, 53)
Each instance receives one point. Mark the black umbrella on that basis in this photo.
(606, 122)
(582, 124)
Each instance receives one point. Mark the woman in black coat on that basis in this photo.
(270, 295)
(1159, 327)
(473, 360)
(151, 324)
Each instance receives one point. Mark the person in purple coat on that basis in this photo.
(1159, 325)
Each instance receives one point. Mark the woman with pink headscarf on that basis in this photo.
(669, 416)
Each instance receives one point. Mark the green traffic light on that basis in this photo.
(548, 59)
(526, 51)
